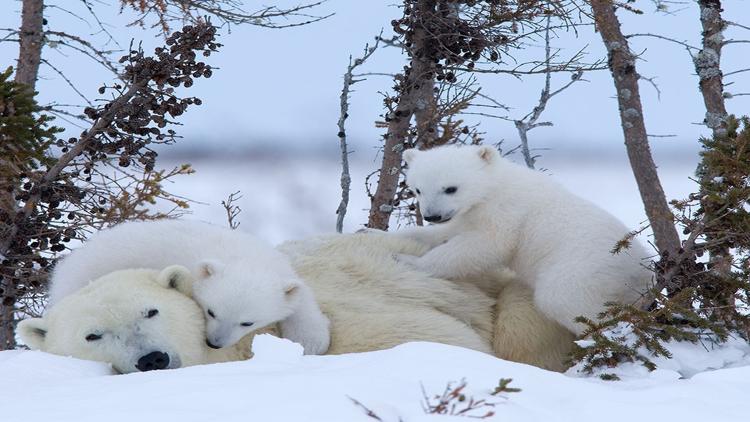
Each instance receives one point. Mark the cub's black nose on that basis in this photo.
(153, 361)
(433, 218)
(211, 345)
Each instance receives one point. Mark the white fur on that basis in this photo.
(505, 215)
(116, 307)
(373, 303)
(239, 278)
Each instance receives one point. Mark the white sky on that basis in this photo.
(282, 86)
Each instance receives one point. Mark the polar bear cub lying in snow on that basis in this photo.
(242, 284)
(490, 213)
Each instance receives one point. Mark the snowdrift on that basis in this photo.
(279, 384)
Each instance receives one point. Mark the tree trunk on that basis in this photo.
(417, 99)
(31, 38)
(708, 66)
(622, 66)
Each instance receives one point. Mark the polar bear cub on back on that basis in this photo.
(242, 284)
(488, 212)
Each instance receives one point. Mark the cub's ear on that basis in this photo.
(177, 277)
(292, 288)
(209, 268)
(33, 332)
(409, 154)
(488, 154)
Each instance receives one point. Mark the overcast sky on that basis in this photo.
(283, 85)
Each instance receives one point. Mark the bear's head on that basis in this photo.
(239, 299)
(137, 320)
(448, 181)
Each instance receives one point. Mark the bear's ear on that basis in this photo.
(176, 277)
(488, 154)
(208, 268)
(408, 155)
(33, 332)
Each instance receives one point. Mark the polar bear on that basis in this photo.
(489, 213)
(368, 295)
(252, 283)
(373, 303)
(136, 320)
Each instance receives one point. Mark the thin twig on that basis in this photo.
(232, 209)
(68, 81)
(529, 121)
(346, 178)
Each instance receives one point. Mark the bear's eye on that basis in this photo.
(93, 337)
(246, 324)
(152, 313)
(418, 192)
(450, 190)
(211, 313)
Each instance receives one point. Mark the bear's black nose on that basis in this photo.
(211, 345)
(433, 218)
(153, 361)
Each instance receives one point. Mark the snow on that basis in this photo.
(688, 359)
(288, 198)
(279, 384)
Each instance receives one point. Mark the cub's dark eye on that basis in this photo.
(93, 337)
(211, 313)
(450, 190)
(246, 324)
(418, 192)
(152, 313)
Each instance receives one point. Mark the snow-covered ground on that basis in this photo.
(279, 384)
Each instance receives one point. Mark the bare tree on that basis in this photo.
(349, 80)
(531, 120)
(31, 40)
(444, 39)
(416, 97)
(708, 66)
(625, 76)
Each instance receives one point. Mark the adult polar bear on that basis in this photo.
(372, 302)
(490, 213)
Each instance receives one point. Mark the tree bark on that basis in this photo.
(417, 100)
(622, 66)
(31, 38)
(708, 66)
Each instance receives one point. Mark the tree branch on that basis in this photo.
(346, 178)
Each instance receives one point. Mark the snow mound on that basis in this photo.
(282, 385)
(688, 359)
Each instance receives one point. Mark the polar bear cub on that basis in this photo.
(242, 284)
(488, 212)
